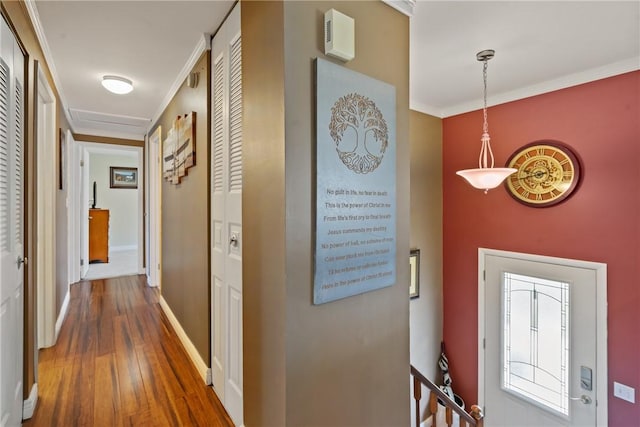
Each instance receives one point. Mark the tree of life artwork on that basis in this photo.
(355, 207)
(359, 132)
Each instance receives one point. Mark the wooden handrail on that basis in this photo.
(474, 418)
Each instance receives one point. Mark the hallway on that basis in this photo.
(118, 362)
(121, 263)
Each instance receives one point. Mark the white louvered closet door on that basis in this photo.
(226, 214)
(11, 227)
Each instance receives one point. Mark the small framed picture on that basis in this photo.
(414, 269)
(121, 177)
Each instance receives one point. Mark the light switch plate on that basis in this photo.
(624, 392)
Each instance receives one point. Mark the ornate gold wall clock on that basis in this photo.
(547, 173)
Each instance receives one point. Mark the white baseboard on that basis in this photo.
(62, 315)
(123, 248)
(195, 357)
(149, 282)
(29, 405)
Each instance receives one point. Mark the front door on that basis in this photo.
(11, 228)
(540, 323)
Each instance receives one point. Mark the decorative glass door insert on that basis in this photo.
(535, 341)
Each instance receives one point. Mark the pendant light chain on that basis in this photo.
(485, 127)
(485, 152)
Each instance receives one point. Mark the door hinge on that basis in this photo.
(81, 163)
(81, 262)
(158, 266)
(484, 343)
(484, 275)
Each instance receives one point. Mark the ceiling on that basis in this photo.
(148, 42)
(540, 46)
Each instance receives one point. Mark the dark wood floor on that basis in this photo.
(118, 362)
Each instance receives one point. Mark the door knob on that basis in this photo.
(20, 261)
(234, 240)
(584, 399)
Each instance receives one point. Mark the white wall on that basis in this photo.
(121, 202)
(62, 264)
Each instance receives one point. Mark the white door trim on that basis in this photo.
(601, 325)
(154, 185)
(73, 209)
(93, 147)
(47, 185)
(141, 185)
(84, 208)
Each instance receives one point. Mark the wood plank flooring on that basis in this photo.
(118, 362)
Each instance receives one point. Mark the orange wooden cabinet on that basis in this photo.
(98, 235)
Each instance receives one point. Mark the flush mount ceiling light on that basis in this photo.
(116, 84)
(485, 177)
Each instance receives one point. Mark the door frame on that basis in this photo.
(78, 216)
(86, 148)
(601, 325)
(73, 212)
(154, 207)
(47, 186)
(83, 207)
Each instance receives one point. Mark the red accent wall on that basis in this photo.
(600, 222)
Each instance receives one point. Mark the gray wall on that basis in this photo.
(344, 362)
(185, 220)
(426, 235)
(263, 214)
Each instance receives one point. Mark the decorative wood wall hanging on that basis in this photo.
(179, 148)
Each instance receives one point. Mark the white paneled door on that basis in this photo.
(11, 227)
(226, 214)
(541, 343)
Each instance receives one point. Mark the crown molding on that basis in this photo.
(570, 80)
(48, 57)
(404, 6)
(202, 46)
(425, 108)
(82, 132)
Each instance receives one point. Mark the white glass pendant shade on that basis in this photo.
(118, 85)
(485, 178)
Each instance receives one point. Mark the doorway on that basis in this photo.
(542, 340)
(118, 207)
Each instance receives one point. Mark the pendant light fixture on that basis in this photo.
(485, 177)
